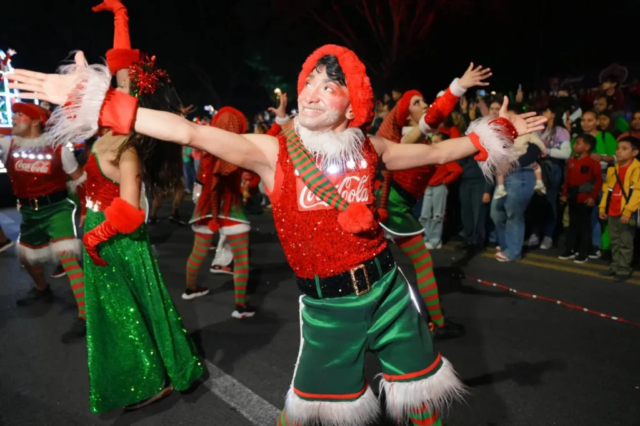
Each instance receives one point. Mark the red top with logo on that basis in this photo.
(615, 204)
(35, 171)
(313, 241)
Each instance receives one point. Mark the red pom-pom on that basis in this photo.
(384, 215)
(214, 226)
(356, 218)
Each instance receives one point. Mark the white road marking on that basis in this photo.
(244, 400)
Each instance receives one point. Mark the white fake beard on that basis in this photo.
(331, 148)
(38, 142)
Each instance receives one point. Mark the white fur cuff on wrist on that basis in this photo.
(424, 127)
(456, 89)
(283, 120)
(77, 119)
(501, 159)
(74, 184)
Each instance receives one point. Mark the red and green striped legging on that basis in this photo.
(415, 248)
(239, 247)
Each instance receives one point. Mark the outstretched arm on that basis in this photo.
(490, 138)
(409, 156)
(81, 85)
(257, 153)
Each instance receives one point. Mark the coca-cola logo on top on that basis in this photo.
(353, 187)
(27, 165)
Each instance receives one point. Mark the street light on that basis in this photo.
(277, 91)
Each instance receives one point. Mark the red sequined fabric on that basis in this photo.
(100, 190)
(35, 172)
(313, 241)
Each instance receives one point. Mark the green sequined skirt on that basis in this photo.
(136, 344)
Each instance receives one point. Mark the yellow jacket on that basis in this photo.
(631, 182)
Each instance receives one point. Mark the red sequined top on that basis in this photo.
(100, 189)
(416, 181)
(36, 171)
(312, 240)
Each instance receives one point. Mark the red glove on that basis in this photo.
(118, 112)
(121, 218)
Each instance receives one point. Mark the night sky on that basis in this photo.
(237, 52)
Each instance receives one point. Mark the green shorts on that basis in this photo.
(401, 222)
(48, 231)
(337, 332)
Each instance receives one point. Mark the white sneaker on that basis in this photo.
(533, 240)
(547, 243)
(429, 246)
(438, 246)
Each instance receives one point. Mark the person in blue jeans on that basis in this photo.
(557, 141)
(508, 212)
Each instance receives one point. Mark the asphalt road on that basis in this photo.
(527, 362)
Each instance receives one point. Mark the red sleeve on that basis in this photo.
(441, 108)
(597, 171)
(274, 130)
(454, 170)
(454, 132)
(565, 186)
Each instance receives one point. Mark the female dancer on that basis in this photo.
(137, 348)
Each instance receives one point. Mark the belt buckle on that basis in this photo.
(354, 282)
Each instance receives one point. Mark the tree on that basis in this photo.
(397, 27)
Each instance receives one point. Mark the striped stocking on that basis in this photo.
(37, 274)
(424, 417)
(201, 244)
(76, 278)
(240, 248)
(415, 248)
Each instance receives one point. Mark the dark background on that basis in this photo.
(237, 52)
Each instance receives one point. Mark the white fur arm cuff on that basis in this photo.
(74, 184)
(424, 127)
(495, 145)
(283, 120)
(78, 118)
(456, 89)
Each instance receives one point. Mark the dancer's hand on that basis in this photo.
(525, 123)
(91, 242)
(624, 219)
(474, 77)
(281, 112)
(54, 88)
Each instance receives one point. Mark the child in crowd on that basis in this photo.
(519, 149)
(620, 205)
(435, 198)
(583, 180)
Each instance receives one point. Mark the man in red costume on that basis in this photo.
(38, 170)
(319, 175)
(411, 121)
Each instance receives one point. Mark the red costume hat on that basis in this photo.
(403, 106)
(121, 56)
(360, 91)
(231, 120)
(32, 111)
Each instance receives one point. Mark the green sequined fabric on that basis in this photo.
(136, 344)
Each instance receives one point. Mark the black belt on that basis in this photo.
(38, 202)
(357, 280)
